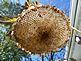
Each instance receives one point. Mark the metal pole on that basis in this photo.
(72, 42)
(72, 17)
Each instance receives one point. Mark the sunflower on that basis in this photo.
(41, 29)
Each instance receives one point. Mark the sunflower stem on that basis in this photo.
(75, 29)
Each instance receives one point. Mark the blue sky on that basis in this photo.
(64, 5)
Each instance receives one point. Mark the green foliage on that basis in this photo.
(8, 49)
(10, 9)
(3, 31)
(5, 3)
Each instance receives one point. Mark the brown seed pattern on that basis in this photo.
(41, 30)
